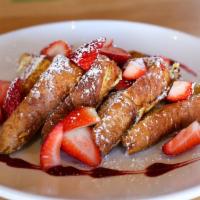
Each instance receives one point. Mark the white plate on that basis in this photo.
(182, 183)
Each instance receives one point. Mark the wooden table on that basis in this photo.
(183, 15)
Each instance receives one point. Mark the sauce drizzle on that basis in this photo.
(156, 169)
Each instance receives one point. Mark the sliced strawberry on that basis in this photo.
(55, 48)
(117, 54)
(123, 84)
(13, 97)
(79, 144)
(137, 54)
(180, 90)
(134, 69)
(85, 116)
(4, 85)
(86, 54)
(108, 43)
(50, 150)
(184, 140)
(1, 116)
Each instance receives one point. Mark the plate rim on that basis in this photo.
(101, 21)
(10, 192)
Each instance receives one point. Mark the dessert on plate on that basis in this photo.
(88, 100)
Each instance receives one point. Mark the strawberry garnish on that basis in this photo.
(77, 140)
(134, 69)
(4, 85)
(86, 54)
(117, 54)
(108, 43)
(50, 150)
(180, 90)
(1, 116)
(55, 48)
(80, 117)
(13, 97)
(123, 84)
(79, 144)
(184, 140)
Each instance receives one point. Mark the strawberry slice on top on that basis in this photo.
(1, 116)
(13, 97)
(80, 117)
(4, 85)
(86, 54)
(119, 55)
(180, 90)
(184, 140)
(134, 69)
(55, 48)
(77, 140)
(50, 150)
(79, 144)
(74, 136)
(123, 84)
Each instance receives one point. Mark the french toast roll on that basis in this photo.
(125, 107)
(116, 113)
(53, 85)
(33, 66)
(93, 86)
(160, 122)
(63, 108)
(96, 83)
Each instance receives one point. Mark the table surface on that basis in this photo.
(183, 15)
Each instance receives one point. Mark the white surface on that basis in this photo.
(183, 183)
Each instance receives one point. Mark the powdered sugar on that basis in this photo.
(87, 48)
(59, 65)
(104, 132)
(90, 80)
(10, 89)
(35, 62)
(36, 93)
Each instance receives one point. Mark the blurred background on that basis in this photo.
(183, 15)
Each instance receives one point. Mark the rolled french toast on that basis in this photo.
(93, 86)
(124, 107)
(58, 114)
(53, 85)
(32, 67)
(156, 124)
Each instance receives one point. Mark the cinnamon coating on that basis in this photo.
(161, 122)
(122, 108)
(45, 95)
(93, 86)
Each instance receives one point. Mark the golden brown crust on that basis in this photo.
(121, 109)
(94, 85)
(161, 122)
(25, 121)
(149, 87)
(136, 54)
(57, 115)
(38, 65)
(117, 113)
